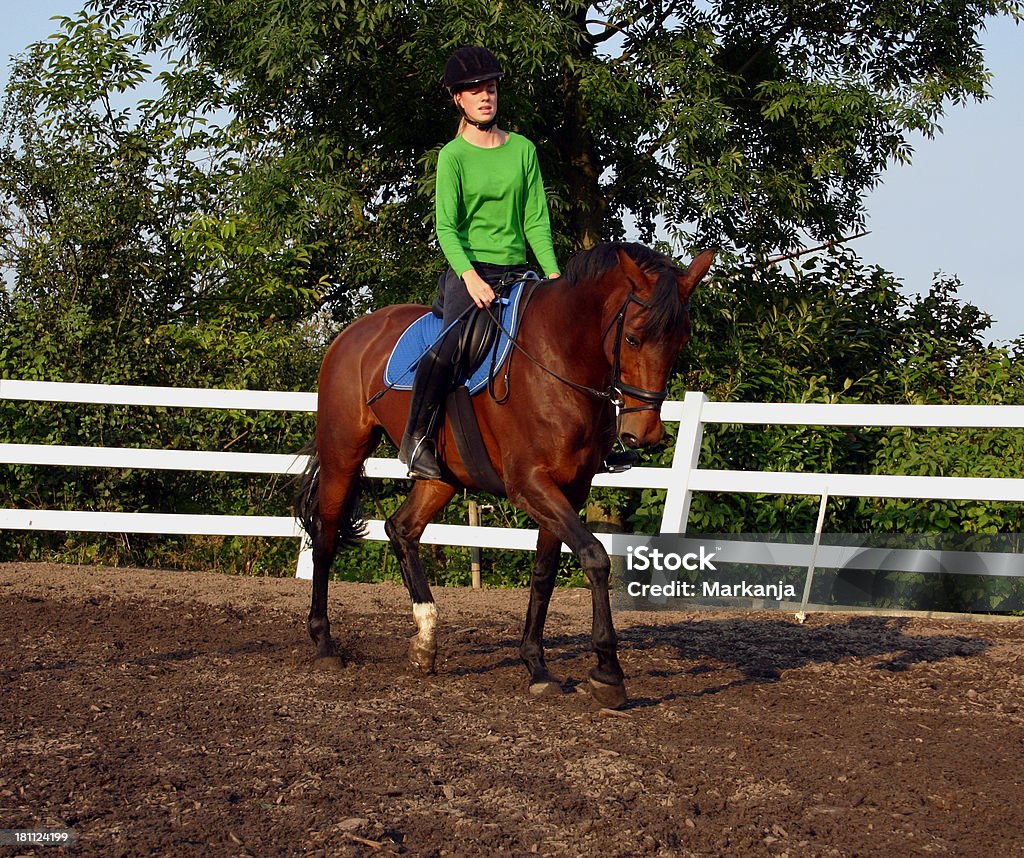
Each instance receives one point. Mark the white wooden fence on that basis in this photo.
(679, 481)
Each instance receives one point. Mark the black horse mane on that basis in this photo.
(667, 312)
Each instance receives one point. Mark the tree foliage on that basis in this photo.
(130, 261)
(837, 330)
(744, 124)
(125, 215)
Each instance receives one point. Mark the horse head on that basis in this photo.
(645, 335)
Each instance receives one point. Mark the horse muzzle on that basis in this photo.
(639, 425)
(645, 431)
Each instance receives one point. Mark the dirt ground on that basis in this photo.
(173, 713)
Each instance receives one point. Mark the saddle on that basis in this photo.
(485, 344)
(483, 347)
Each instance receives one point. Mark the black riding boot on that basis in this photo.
(429, 388)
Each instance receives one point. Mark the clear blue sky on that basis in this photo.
(956, 209)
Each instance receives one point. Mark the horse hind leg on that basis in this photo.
(404, 529)
(327, 506)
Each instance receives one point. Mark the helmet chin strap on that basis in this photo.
(483, 126)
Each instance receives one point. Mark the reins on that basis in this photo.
(616, 391)
(582, 388)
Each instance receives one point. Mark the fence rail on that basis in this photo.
(679, 480)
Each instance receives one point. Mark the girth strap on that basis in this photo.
(470, 443)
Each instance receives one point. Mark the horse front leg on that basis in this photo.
(548, 505)
(404, 529)
(542, 584)
(607, 681)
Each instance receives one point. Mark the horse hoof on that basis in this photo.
(421, 657)
(607, 695)
(329, 663)
(545, 688)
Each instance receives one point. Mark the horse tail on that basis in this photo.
(351, 526)
(307, 491)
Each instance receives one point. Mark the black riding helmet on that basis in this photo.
(469, 66)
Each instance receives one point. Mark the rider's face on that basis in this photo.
(480, 102)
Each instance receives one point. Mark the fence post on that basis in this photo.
(684, 460)
(304, 566)
(801, 615)
(475, 556)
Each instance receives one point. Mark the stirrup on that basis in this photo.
(423, 463)
(618, 461)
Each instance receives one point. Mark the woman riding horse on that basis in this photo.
(590, 365)
(489, 201)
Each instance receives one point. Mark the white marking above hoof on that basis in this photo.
(425, 615)
(424, 610)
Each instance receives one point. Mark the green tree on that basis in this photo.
(742, 123)
(121, 227)
(130, 262)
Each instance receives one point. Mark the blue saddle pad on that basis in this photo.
(425, 331)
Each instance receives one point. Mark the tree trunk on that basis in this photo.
(587, 201)
(575, 142)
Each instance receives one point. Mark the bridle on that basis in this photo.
(652, 399)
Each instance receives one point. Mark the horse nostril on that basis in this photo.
(629, 439)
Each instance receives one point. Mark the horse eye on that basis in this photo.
(632, 341)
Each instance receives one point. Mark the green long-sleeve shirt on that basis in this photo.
(489, 203)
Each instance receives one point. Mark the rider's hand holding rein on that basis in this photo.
(479, 289)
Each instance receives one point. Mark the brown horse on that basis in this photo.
(595, 349)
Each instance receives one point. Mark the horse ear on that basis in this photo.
(695, 273)
(641, 280)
